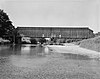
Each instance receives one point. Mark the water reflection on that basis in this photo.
(29, 55)
(23, 55)
(23, 50)
(33, 56)
(25, 60)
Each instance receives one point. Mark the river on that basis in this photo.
(35, 62)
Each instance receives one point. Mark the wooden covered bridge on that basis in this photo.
(62, 32)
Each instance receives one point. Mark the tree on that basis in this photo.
(42, 40)
(33, 41)
(6, 27)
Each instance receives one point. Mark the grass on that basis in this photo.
(92, 43)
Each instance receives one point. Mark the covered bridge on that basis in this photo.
(59, 32)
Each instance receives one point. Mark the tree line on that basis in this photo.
(7, 29)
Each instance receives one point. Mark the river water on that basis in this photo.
(35, 62)
(22, 55)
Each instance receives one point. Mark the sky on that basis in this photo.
(53, 12)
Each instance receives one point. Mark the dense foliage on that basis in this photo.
(42, 40)
(6, 27)
(33, 41)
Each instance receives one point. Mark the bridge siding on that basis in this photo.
(79, 33)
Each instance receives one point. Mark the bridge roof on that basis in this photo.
(54, 27)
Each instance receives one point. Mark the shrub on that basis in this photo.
(33, 41)
(42, 40)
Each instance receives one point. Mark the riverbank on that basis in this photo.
(92, 43)
(74, 49)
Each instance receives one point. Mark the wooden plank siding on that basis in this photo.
(65, 32)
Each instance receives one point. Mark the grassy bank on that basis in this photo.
(92, 44)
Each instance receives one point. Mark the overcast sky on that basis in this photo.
(53, 12)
